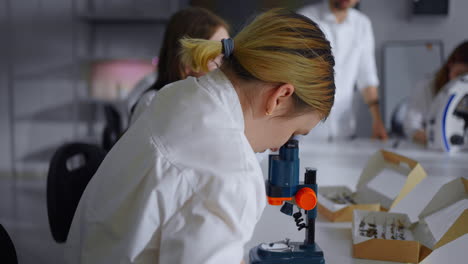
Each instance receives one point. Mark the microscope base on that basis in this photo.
(293, 253)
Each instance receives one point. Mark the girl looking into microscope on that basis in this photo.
(424, 94)
(183, 185)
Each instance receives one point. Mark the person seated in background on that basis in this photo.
(426, 90)
(192, 22)
(352, 40)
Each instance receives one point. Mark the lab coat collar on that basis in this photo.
(221, 87)
(327, 14)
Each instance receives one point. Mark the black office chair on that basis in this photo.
(113, 128)
(7, 248)
(71, 168)
(398, 117)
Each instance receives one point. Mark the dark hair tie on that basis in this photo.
(228, 47)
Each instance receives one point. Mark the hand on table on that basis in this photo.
(420, 137)
(379, 131)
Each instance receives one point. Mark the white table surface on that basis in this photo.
(341, 163)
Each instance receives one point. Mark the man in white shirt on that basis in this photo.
(352, 40)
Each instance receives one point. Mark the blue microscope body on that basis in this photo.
(283, 188)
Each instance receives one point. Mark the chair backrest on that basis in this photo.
(7, 249)
(113, 128)
(398, 117)
(71, 168)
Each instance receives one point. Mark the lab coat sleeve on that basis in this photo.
(417, 109)
(142, 105)
(213, 226)
(367, 71)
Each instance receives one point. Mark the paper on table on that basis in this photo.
(329, 204)
(452, 252)
(390, 229)
(388, 183)
(440, 221)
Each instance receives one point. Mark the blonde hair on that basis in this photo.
(279, 46)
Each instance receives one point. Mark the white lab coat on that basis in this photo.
(352, 43)
(181, 186)
(142, 104)
(139, 90)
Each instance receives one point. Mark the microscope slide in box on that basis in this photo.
(386, 179)
(394, 237)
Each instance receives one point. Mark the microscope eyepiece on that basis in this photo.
(292, 143)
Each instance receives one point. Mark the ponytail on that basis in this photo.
(279, 46)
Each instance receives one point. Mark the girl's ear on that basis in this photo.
(279, 99)
(188, 71)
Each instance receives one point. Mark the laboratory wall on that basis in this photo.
(392, 20)
(38, 45)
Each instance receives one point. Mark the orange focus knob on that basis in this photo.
(306, 198)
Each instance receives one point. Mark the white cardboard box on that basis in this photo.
(443, 220)
(386, 179)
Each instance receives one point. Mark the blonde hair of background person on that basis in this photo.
(182, 185)
(420, 101)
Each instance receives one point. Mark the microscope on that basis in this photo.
(283, 188)
(447, 122)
